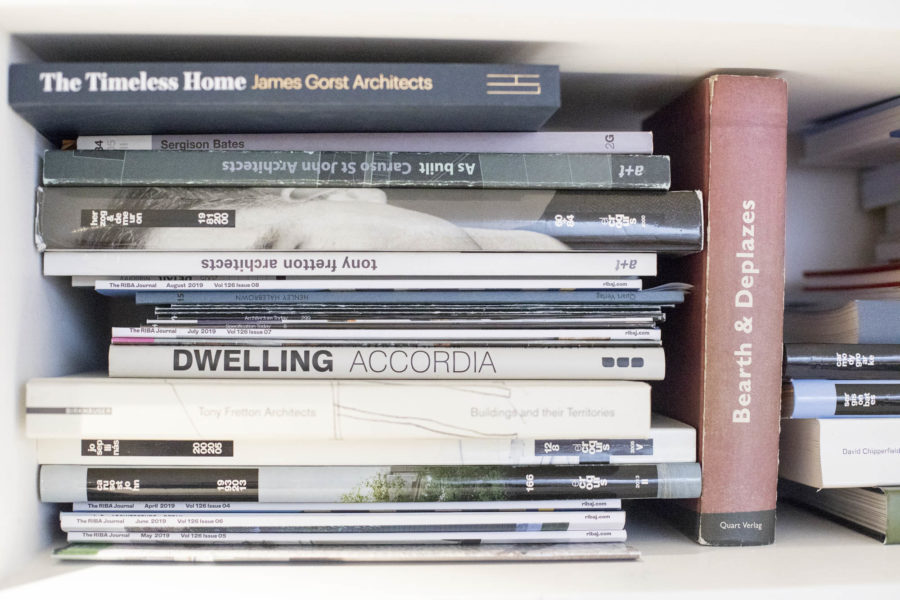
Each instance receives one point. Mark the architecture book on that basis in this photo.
(343, 522)
(847, 452)
(380, 264)
(859, 138)
(187, 551)
(872, 510)
(366, 290)
(77, 483)
(253, 218)
(727, 137)
(859, 321)
(520, 331)
(388, 361)
(442, 297)
(852, 280)
(96, 408)
(668, 441)
(608, 142)
(823, 398)
(315, 168)
(327, 507)
(550, 536)
(65, 100)
(841, 361)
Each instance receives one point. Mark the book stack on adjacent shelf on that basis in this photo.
(867, 138)
(841, 397)
(356, 338)
(840, 402)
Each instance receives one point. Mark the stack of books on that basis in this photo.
(364, 338)
(841, 398)
(867, 138)
(840, 402)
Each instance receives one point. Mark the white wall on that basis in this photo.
(42, 332)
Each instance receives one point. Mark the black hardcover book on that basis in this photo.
(64, 100)
(371, 219)
(825, 398)
(357, 169)
(841, 361)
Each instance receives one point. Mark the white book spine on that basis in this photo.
(327, 507)
(218, 409)
(675, 445)
(500, 521)
(165, 334)
(846, 452)
(349, 264)
(307, 284)
(484, 537)
(606, 142)
(393, 362)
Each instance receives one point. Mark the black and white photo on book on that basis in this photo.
(366, 219)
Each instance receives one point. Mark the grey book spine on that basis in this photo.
(841, 361)
(76, 483)
(67, 99)
(395, 219)
(357, 169)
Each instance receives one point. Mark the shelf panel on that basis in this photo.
(637, 55)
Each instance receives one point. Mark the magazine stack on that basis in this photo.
(372, 331)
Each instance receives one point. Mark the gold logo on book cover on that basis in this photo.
(513, 84)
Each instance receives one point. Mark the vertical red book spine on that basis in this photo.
(727, 136)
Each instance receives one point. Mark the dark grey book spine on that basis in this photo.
(64, 100)
(76, 483)
(397, 219)
(841, 361)
(357, 169)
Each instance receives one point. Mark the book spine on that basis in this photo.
(598, 298)
(91, 281)
(842, 361)
(609, 142)
(409, 522)
(129, 98)
(431, 289)
(351, 264)
(208, 332)
(820, 398)
(729, 134)
(206, 411)
(451, 537)
(75, 483)
(388, 362)
(463, 451)
(892, 498)
(486, 505)
(834, 453)
(357, 169)
(396, 219)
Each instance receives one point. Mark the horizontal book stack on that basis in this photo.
(840, 432)
(377, 339)
(841, 397)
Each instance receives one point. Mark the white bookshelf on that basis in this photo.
(619, 62)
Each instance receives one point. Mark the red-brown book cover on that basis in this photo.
(727, 136)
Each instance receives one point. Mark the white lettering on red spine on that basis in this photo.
(743, 300)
